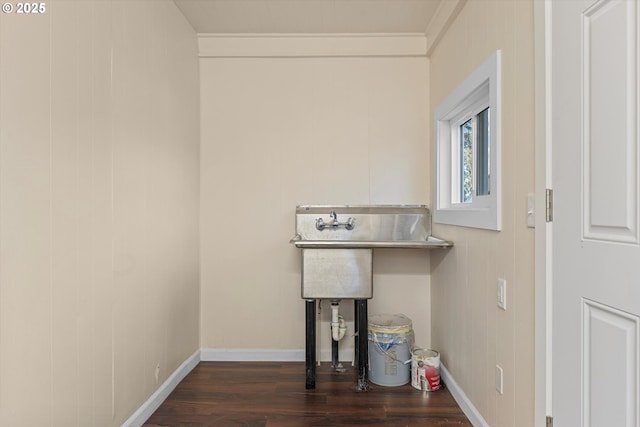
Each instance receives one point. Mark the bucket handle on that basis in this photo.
(392, 357)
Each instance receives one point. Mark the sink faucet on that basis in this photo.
(334, 215)
(334, 223)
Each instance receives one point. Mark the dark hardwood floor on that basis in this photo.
(273, 394)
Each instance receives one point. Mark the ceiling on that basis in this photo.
(308, 16)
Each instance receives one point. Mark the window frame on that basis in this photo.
(479, 91)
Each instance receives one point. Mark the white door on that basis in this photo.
(595, 249)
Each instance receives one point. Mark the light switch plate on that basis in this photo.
(502, 294)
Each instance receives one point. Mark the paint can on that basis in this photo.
(390, 340)
(425, 369)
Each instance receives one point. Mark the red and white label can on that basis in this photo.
(425, 369)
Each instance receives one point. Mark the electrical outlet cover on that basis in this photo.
(499, 379)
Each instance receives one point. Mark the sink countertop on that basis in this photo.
(430, 243)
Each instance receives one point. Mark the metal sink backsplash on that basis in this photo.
(363, 223)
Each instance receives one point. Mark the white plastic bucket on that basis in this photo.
(425, 369)
(390, 340)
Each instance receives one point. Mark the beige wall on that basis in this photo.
(98, 209)
(279, 132)
(467, 327)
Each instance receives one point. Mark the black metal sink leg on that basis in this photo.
(310, 345)
(362, 348)
(356, 347)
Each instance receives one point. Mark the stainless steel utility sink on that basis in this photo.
(337, 243)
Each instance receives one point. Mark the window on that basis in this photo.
(467, 188)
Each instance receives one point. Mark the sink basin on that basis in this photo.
(337, 274)
(337, 243)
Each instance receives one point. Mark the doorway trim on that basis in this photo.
(543, 229)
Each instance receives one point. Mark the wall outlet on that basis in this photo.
(157, 373)
(502, 294)
(499, 379)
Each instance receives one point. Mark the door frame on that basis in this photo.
(543, 404)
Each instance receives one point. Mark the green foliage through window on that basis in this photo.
(474, 140)
(466, 167)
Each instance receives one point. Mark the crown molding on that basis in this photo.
(310, 45)
(442, 19)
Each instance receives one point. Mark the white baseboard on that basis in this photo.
(265, 355)
(149, 407)
(250, 355)
(461, 398)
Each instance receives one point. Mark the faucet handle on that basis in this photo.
(350, 223)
